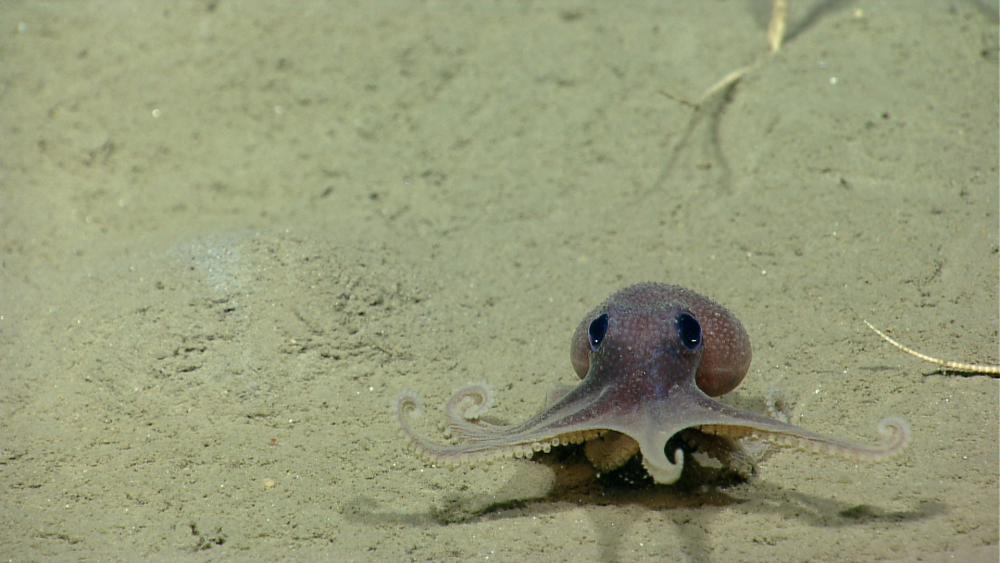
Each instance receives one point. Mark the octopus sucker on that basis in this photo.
(471, 402)
(453, 456)
(611, 451)
(651, 359)
(895, 430)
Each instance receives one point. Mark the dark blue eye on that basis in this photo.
(598, 328)
(688, 330)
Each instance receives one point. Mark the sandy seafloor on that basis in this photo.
(232, 232)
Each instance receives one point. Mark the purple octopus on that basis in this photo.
(651, 357)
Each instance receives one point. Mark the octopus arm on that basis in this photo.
(491, 442)
(895, 432)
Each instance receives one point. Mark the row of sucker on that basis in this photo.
(472, 401)
(452, 456)
(894, 428)
(463, 412)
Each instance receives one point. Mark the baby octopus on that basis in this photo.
(651, 357)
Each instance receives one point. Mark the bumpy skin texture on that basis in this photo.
(651, 357)
(725, 359)
(726, 348)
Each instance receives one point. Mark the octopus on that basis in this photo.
(651, 359)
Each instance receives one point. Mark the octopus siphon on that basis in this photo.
(650, 358)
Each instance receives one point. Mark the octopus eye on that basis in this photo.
(598, 328)
(688, 330)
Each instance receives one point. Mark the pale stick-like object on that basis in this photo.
(953, 366)
(776, 29)
(775, 36)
